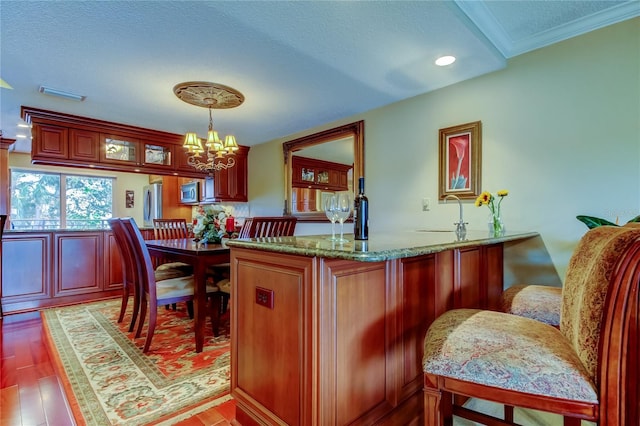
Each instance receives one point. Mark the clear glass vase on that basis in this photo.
(496, 225)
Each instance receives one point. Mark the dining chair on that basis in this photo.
(585, 369)
(539, 302)
(154, 292)
(268, 226)
(130, 286)
(254, 227)
(168, 229)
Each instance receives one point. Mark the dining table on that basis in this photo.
(200, 256)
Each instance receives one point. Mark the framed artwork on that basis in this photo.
(460, 159)
(129, 199)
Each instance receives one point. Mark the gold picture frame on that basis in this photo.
(460, 159)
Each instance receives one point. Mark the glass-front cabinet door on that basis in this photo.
(158, 155)
(120, 150)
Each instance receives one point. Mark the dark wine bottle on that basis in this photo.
(361, 214)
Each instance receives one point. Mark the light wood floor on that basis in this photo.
(30, 390)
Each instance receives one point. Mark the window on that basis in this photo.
(43, 200)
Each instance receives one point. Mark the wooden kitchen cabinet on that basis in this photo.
(84, 145)
(77, 263)
(228, 184)
(54, 268)
(121, 150)
(319, 174)
(69, 140)
(26, 270)
(50, 141)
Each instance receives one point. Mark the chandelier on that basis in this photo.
(216, 154)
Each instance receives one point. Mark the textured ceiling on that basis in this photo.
(299, 64)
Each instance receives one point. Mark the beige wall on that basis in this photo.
(561, 132)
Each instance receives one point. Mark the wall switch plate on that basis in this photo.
(264, 297)
(426, 204)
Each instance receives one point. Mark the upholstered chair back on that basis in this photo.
(585, 288)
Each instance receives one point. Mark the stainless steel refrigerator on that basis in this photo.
(152, 196)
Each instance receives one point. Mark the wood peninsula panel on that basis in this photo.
(468, 287)
(419, 302)
(343, 344)
(271, 368)
(493, 272)
(354, 368)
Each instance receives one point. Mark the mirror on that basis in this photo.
(319, 165)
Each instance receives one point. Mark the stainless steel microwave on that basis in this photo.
(190, 193)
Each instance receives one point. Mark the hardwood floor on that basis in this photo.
(31, 392)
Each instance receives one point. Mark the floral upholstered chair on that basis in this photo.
(538, 302)
(586, 369)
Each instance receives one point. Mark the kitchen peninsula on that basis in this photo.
(325, 333)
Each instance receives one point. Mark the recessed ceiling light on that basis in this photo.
(61, 93)
(445, 60)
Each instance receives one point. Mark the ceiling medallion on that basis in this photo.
(211, 96)
(208, 95)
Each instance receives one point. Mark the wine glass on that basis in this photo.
(343, 212)
(330, 209)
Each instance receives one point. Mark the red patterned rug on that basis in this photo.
(109, 381)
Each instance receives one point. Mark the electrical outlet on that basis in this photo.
(264, 297)
(426, 204)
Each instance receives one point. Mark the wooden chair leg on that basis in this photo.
(215, 303)
(438, 405)
(153, 313)
(572, 421)
(143, 315)
(225, 303)
(125, 300)
(189, 308)
(136, 309)
(508, 413)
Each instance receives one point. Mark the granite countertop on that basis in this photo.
(59, 230)
(378, 247)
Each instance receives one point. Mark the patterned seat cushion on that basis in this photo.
(506, 351)
(167, 274)
(538, 302)
(174, 287)
(184, 267)
(224, 285)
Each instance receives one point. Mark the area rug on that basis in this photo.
(109, 381)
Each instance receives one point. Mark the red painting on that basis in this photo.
(460, 160)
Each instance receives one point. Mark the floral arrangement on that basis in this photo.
(486, 198)
(209, 224)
